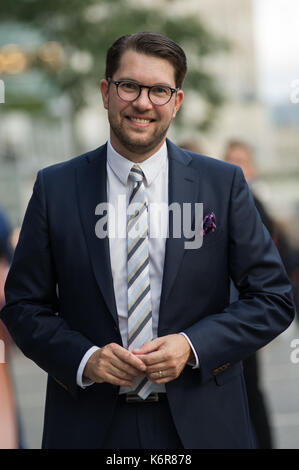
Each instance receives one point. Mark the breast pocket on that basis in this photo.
(212, 238)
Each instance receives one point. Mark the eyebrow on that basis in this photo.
(139, 83)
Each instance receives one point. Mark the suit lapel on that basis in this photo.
(183, 188)
(92, 190)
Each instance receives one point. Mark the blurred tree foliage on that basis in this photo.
(86, 28)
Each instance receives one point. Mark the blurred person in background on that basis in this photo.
(239, 153)
(14, 237)
(5, 233)
(192, 145)
(8, 415)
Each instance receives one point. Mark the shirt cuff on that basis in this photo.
(196, 365)
(81, 381)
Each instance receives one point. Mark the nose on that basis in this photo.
(143, 101)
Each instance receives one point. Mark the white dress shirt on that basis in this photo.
(119, 188)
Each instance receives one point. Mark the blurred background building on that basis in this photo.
(227, 44)
(269, 124)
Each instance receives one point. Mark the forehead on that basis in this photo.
(144, 68)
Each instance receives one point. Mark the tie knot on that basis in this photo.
(136, 174)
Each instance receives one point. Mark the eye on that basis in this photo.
(128, 86)
(160, 91)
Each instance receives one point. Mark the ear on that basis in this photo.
(178, 101)
(104, 87)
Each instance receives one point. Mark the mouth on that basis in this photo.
(140, 122)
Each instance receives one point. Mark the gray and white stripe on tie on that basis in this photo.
(139, 289)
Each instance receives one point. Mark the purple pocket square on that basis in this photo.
(209, 224)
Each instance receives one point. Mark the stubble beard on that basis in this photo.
(133, 145)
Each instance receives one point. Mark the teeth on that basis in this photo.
(141, 121)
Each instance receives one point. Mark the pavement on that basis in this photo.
(279, 378)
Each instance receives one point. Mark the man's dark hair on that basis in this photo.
(151, 44)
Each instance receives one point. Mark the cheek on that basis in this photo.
(170, 113)
(173, 113)
(116, 107)
(175, 110)
(166, 114)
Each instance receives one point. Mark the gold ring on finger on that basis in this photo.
(160, 374)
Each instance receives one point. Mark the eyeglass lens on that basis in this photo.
(129, 91)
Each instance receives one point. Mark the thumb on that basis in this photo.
(149, 347)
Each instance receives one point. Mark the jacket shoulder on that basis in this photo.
(202, 163)
(211, 168)
(67, 166)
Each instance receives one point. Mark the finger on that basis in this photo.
(164, 380)
(112, 379)
(129, 358)
(156, 377)
(149, 347)
(124, 367)
(108, 358)
(105, 375)
(121, 374)
(158, 366)
(153, 358)
(118, 376)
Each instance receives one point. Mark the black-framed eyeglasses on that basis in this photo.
(130, 91)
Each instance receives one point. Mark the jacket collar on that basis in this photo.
(92, 190)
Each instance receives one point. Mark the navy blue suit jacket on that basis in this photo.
(60, 299)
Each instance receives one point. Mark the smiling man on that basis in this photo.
(140, 342)
(140, 117)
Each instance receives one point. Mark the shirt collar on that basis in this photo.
(151, 167)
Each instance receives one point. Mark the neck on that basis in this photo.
(133, 156)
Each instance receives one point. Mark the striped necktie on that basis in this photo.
(139, 289)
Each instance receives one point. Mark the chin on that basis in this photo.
(139, 145)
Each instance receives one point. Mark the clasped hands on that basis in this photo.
(160, 360)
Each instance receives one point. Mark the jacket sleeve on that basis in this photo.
(31, 313)
(265, 306)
